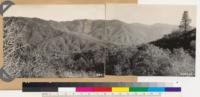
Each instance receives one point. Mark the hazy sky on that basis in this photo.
(130, 13)
(58, 12)
(150, 14)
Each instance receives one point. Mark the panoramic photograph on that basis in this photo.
(91, 41)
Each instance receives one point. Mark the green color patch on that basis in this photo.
(138, 89)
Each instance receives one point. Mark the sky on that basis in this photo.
(58, 12)
(130, 13)
(150, 14)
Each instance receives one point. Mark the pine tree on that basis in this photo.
(185, 22)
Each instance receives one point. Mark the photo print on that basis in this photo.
(151, 40)
(54, 41)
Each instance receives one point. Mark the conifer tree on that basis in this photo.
(185, 22)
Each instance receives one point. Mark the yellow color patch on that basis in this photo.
(120, 89)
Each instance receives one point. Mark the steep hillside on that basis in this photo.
(185, 40)
(41, 34)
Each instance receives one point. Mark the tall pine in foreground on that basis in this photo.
(185, 22)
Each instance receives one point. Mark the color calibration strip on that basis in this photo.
(99, 87)
(120, 89)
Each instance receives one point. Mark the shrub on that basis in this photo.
(183, 63)
(149, 60)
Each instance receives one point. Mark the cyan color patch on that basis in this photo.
(156, 89)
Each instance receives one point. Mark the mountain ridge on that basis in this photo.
(100, 33)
